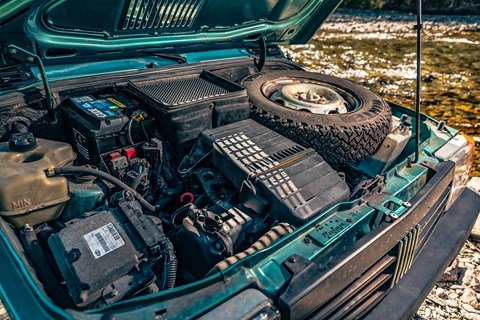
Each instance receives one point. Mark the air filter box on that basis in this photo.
(296, 182)
(98, 125)
(188, 104)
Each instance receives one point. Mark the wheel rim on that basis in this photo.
(302, 94)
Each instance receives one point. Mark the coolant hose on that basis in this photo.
(269, 238)
(68, 170)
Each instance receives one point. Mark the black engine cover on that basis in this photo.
(296, 181)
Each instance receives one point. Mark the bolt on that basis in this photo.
(307, 240)
(292, 260)
(349, 220)
(72, 256)
(218, 246)
(407, 204)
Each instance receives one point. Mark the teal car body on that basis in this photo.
(342, 263)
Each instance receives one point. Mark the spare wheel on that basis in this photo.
(342, 121)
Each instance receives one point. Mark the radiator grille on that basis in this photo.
(360, 296)
(406, 252)
(154, 14)
(365, 292)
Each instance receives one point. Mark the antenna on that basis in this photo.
(418, 27)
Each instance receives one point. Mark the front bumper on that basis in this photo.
(452, 231)
(363, 276)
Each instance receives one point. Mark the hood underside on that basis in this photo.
(71, 28)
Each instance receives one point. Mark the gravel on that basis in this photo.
(457, 295)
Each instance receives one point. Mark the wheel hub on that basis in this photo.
(310, 97)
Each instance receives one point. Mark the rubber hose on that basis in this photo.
(269, 238)
(129, 132)
(42, 266)
(175, 191)
(170, 269)
(105, 176)
(207, 188)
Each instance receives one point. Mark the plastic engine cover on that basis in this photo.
(296, 181)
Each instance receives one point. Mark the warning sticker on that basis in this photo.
(103, 240)
(81, 143)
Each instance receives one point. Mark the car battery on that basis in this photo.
(275, 174)
(98, 125)
(185, 105)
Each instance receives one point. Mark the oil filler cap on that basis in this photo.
(21, 142)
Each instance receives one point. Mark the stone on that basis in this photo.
(427, 313)
(453, 295)
(440, 292)
(468, 278)
(475, 235)
(476, 288)
(474, 183)
(470, 309)
(470, 316)
(451, 303)
(469, 296)
(475, 304)
(435, 300)
(451, 274)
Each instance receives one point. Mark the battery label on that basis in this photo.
(100, 108)
(103, 240)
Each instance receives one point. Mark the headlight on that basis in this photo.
(461, 151)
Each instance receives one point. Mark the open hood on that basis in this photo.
(53, 29)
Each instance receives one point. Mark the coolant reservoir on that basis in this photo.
(390, 149)
(26, 194)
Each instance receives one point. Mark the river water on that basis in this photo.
(377, 49)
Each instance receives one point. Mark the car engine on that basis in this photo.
(160, 183)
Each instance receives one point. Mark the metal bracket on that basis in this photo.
(15, 51)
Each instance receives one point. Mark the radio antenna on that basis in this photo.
(418, 27)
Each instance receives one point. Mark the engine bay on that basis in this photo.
(167, 180)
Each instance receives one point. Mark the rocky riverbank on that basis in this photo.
(457, 294)
(377, 50)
